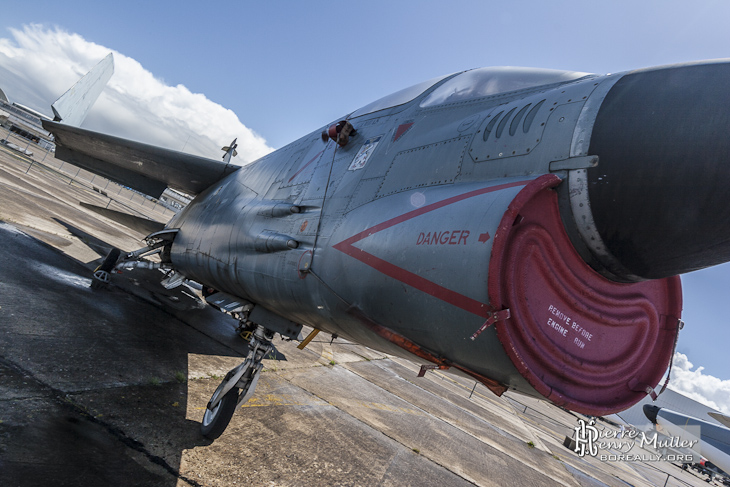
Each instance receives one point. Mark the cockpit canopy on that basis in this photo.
(398, 98)
(475, 83)
(482, 82)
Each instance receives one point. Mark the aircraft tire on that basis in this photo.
(215, 421)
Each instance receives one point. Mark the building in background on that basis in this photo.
(24, 122)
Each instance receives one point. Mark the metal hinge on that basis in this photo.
(492, 317)
(425, 368)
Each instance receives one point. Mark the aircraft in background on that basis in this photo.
(709, 440)
(524, 227)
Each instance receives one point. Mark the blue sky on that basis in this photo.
(287, 68)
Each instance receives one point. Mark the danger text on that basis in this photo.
(447, 237)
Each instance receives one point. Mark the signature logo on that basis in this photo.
(616, 445)
(586, 436)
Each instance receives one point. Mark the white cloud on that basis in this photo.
(706, 389)
(39, 64)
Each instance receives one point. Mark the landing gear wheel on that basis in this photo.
(101, 274)
(238, 385)
(216, 420)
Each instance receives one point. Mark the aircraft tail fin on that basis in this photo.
(72, 106)
(725, 420)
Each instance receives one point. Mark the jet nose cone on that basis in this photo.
(651, 411)
(659, 195)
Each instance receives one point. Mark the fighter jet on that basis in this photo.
(523, 227)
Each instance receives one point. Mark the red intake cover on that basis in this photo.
(586, 343)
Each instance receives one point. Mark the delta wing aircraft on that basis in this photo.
(524, 227)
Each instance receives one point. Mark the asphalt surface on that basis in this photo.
(107, 387)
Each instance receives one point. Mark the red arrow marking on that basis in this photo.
(304, 167)
(484, 237)
(407, 277)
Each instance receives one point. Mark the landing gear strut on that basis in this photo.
(238, 386)
(157, 243)
(101, 273)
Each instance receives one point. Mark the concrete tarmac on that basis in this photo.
(107, 387)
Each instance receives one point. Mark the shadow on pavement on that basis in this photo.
(93, 384)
